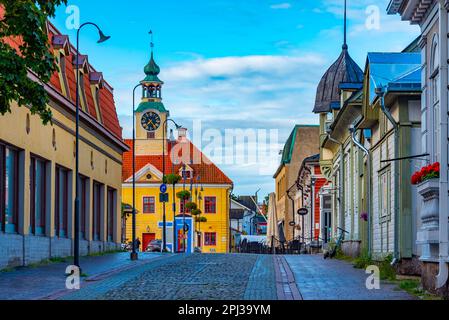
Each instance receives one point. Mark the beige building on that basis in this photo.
(302, 143)
(37, 167)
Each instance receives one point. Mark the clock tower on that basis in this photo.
(151, 114)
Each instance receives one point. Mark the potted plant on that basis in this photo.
(196, 212)
(428, 185)
(172, 179)
(200, 219)
(183, 195)
(190, 206)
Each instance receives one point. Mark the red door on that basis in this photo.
(146, 239)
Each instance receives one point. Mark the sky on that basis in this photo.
(252, 65)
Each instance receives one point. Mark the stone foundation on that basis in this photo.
(409, 267)
(17, 250)
(429, 272)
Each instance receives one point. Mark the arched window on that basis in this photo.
(434, 69)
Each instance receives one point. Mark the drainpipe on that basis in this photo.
(443, 269)
(340, 187)
(380, 92)
(293, 210)
(368, 188)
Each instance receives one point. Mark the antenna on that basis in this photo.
(345, 45)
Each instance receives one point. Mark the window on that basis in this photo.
(151, 135)
(97, 208)
(181, 207)
(210, 239)
(83, 193)
(61, 202)
(210, 205)
(9, 175)
(62, 60)
(82, 93)
(149, 205)
(384, 193)
(96, 95)
(111, 214)
(38, 188)
(186, 174)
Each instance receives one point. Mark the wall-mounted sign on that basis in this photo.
(292, 224)
(303, 211)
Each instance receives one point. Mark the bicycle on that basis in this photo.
(331, 254)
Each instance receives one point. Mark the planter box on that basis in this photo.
(428, 235)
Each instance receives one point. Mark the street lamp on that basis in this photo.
(134, 254)
(164, 215)
(102, 38)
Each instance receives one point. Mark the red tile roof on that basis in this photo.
(208, 172)
(107, 104)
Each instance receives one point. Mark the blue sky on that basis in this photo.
(233, 64)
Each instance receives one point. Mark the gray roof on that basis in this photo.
(343, 71)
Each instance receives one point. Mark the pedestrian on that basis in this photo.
(138, 243)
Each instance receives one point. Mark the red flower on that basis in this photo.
(426, 173)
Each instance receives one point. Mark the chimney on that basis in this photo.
(182, 133)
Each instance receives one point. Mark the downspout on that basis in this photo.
(442, 277)
(380, 92)
(368, 188)
(293, 210)
(340, 187)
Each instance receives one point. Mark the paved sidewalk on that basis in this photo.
(319, 279)
(34, 283)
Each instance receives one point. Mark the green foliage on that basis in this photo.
(191, 206)
(172, 179)
(200, 219)
(183, 195)
(27, 20)
(387, 272)
(196, 212)
(363, 261)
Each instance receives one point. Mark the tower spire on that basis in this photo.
(152, 42)
(345, 45)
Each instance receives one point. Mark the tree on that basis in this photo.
(26, 20)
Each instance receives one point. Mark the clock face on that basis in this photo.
(151, 121)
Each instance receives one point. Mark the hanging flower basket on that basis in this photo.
(172, 179)
(201, 219)
(427, 173)
(191, 206)
(364, 216)
(183, 195)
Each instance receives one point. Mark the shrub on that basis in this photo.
(363, 261)
(196, 212)
(201, 219)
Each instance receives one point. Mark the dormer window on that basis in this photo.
(186, 173)
(62, 50)
(96, 84)
(83, 69)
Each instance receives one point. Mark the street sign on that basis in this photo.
(163, 188)
(163, 197)
(303, 211)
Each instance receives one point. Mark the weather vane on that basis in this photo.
(152, 43)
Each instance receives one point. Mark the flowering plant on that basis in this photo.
(364, 216)
(429, 172)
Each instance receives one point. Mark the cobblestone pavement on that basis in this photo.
(39, 282)
(196, 277)
(319, 279)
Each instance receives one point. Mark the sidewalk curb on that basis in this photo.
(285, 280)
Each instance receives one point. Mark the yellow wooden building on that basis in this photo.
(209, 187)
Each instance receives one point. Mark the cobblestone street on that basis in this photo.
(199, 277)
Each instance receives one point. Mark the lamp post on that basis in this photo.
(134, 255)
(164, 215)
(184, 210)
(103, 38)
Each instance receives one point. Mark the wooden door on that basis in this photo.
(146, 239)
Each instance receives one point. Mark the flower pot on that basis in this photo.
(428, 234)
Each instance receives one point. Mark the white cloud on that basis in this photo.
(284, 5)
